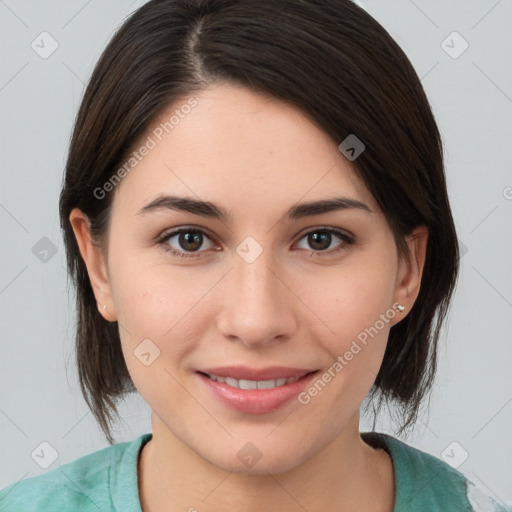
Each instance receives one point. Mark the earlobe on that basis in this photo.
(411, 268)
(94, 260)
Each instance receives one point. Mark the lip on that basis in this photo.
(245, 372)
(256, 401)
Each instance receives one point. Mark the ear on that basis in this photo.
(94, 259)
(410, 270)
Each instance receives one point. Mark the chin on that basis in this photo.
(250, 460)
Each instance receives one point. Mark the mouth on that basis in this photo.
(255, 396)
(255, 384)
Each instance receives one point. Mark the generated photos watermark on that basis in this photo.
(344, 359)
(151, 142)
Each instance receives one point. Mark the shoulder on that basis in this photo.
(424, 482)
(85, 484)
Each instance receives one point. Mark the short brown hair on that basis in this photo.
(330, 59)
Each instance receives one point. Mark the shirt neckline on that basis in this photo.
(400, 477)
(124, 483)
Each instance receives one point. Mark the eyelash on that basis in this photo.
(162, 241)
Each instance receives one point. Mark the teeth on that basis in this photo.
(253, 384)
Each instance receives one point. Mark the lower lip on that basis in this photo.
(256, 401)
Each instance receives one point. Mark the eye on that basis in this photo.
(185, 242)
(321, 239)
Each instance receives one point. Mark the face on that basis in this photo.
(267, 285)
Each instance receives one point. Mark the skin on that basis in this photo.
(293, 306)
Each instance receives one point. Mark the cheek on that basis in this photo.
(353, 298)
(356, 306)
(157, 327)
(159, 304)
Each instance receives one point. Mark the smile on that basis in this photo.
(267, 391)
(253, 384)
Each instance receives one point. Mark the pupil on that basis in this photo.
(316, 240)
(190, 240)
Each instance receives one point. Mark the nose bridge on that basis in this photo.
(254, 308)
(255, 286)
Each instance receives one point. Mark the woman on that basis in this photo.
(256, 220)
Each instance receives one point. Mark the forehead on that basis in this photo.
(239, 148)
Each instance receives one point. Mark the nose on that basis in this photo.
(256, 305)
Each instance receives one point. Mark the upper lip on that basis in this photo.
(244, 372)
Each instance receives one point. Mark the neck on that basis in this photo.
(346, 475)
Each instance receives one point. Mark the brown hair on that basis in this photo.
(334, 62)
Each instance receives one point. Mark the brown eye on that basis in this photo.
(185, 242)
(190, 240)
(320, 240)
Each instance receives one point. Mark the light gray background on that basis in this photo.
(472, 99)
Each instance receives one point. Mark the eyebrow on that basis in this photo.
(208, 209)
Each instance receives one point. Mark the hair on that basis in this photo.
(341, 68)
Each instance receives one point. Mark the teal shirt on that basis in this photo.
(106, 481)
